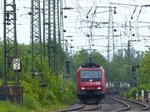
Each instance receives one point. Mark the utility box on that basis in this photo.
(11, 93)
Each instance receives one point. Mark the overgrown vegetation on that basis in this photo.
(56, 94)
(53, 95)
(6, 106)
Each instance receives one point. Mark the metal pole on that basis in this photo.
(10, 39)
(5, 65)
(15, 39)
(138, 82)
(59, 36)
(54, 33)
(36, 40)
(50, 33)
(137, 79)
(44, 51)
(32, 42)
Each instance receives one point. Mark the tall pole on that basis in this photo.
(36, 40)
(49, 34)
(44, 28)
(47, 44)
(54, 35)
(54, 32)
(10, 39)
(61, 30)
(129, 53)
(59, 35)
(111, 45)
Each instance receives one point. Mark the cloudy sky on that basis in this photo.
(77, 24)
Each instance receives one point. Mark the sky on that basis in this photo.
(124, 25)
(77, 24)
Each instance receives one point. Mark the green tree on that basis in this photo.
(82, 57)
(120, 67)
(145, 69)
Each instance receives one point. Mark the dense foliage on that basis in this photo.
(56, 93)
(145, 68)
(82, 57)
(145, 71)
(120, 68)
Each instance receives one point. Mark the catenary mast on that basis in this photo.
(111, 45)
(52, 31)
(36, 41)
(10, 40)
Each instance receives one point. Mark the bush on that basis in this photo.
(132, 93)
(31, 103)
(52, 95)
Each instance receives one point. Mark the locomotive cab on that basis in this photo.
(91, 82)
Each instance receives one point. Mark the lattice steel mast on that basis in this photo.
(52, 31)
(111, 45)
(47, 49)
(36, 41)
(10, 40)
(59, 33)
(61, 30)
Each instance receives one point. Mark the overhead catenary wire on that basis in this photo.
(82, 10)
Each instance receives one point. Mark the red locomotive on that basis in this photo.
(91, 82)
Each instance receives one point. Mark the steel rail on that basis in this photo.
(146, 107)
(121, 109)
(72, 109)
(92, 109)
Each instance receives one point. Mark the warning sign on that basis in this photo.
(16, 64)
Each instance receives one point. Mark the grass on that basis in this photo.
(30, 105)
(6, 106)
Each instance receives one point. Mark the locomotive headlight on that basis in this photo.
(98, 87)
(82, 88)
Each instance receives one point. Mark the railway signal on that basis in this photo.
(134, 67)
(68, 67)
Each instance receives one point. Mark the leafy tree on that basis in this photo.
(120, 67)
(144, 69)
(82, 57)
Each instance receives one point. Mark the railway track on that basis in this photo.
(114, 104)
(130, 105)
(82, 107)
(91, 107)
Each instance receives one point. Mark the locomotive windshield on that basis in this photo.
(93, 75)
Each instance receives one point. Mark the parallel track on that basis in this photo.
(79, 107)
(130, 105)
(96, 107)
(83, 107)
(114, 104)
